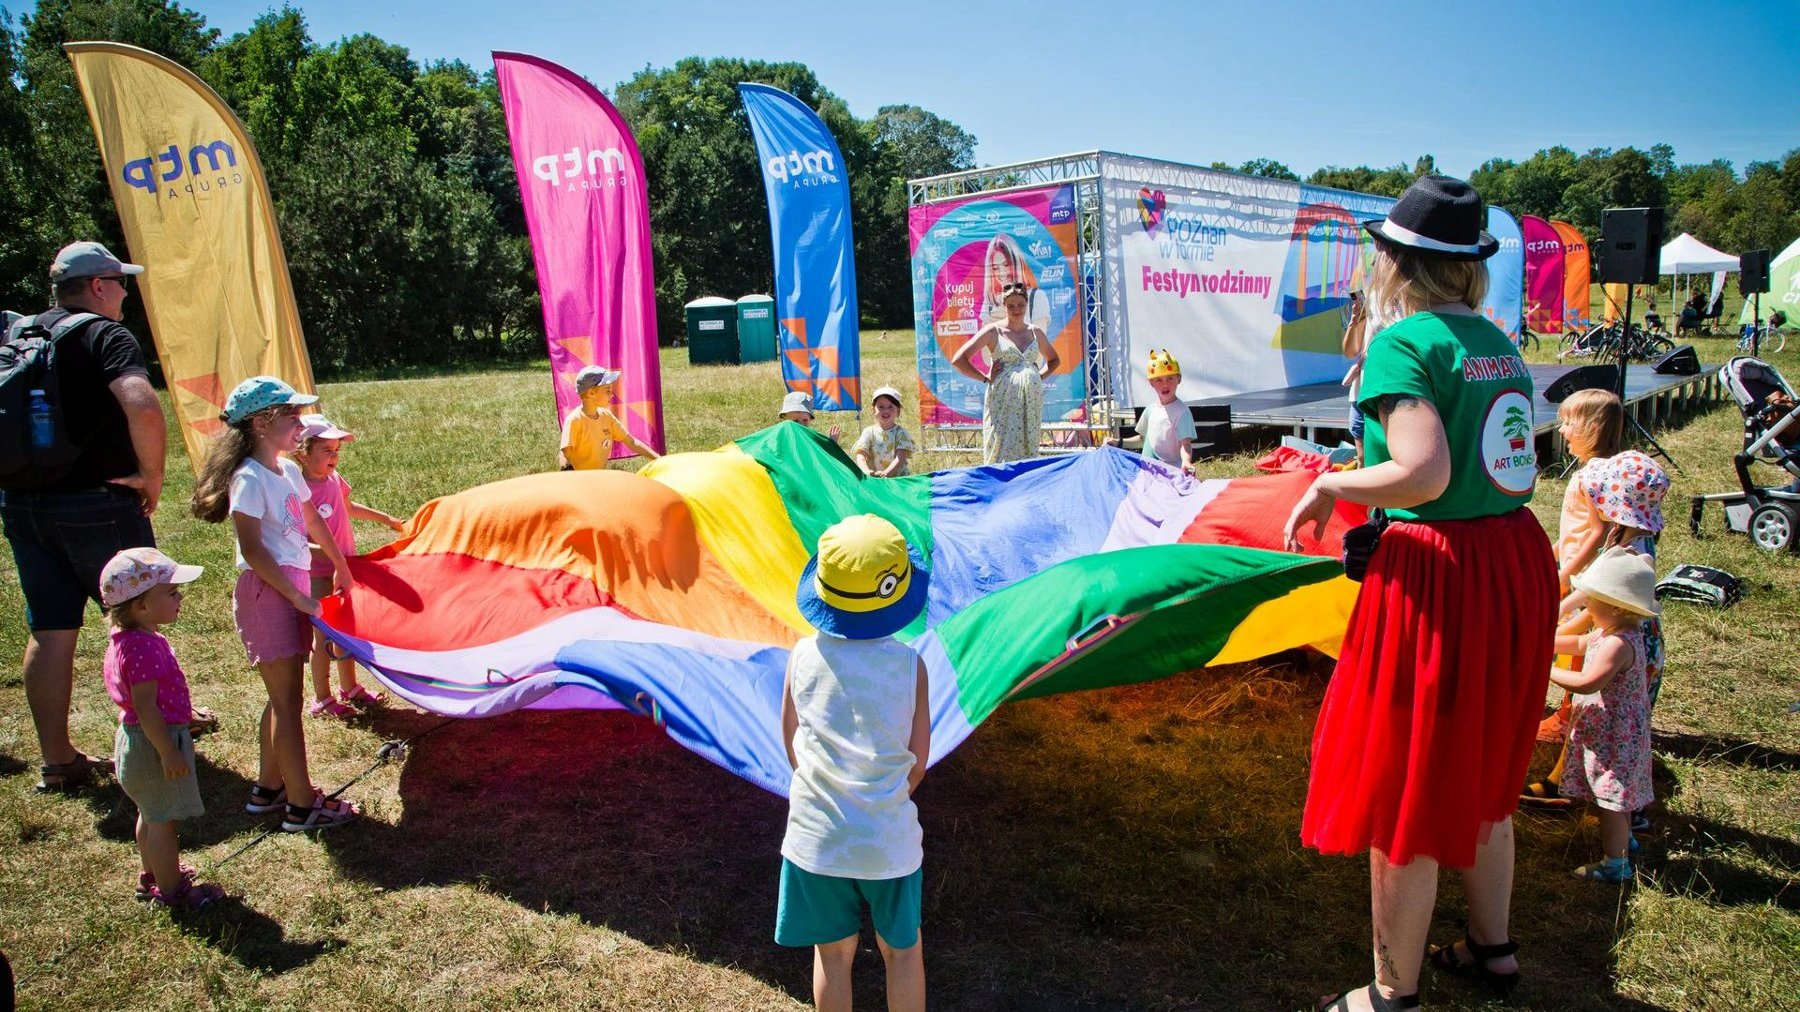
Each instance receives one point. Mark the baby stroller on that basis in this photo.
(1771, 514)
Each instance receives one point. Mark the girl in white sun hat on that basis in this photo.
(1609, 731)
(320, 442)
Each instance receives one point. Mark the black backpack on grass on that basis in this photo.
(27, 363)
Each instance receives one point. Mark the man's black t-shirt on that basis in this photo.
(88, 360)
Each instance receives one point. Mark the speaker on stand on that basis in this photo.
(1753, 280)
(1631, 254)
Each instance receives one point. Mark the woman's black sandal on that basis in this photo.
(1340, 1002)
(1443, 957)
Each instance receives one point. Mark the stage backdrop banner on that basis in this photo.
(582, 182)
(1577, 276)
(1543, 275)
(1245, 280)
(963, 253)
(195, 209)
(1505, 302)
(808, 187)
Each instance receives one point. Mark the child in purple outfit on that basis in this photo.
(154, 749)
(317, 456)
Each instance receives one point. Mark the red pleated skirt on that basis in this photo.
(1430, 717)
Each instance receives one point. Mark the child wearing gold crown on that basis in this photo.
(1167, 426)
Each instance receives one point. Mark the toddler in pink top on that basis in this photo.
(317, 456)
(154, 749)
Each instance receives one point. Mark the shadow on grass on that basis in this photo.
(12, 765)
(251, 938)
(1134, 848)
(1708, 748)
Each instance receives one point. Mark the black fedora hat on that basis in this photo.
(1438, 216)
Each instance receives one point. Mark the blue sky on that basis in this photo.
(1305, 83)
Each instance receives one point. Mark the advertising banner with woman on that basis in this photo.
(964, 255)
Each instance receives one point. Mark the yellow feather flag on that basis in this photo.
(196, 211)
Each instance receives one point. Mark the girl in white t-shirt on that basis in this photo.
(246, 477)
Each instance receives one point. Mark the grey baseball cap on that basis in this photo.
(88, 260)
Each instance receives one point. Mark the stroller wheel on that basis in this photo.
(1773, 526)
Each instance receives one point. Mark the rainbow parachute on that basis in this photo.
(671, 592)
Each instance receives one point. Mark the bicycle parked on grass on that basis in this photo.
(1769, 338)
(1603, 341)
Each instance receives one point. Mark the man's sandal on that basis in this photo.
(1340, 1002)
(66, 778)
(202, 721)
(1444, 957)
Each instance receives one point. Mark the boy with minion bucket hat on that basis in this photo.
(856, 719)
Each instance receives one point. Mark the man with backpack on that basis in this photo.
(82, 444)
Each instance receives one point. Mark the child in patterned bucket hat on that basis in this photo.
(856, 720)
(1628, 493)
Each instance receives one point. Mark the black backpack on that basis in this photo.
(1701, 585)
(27, 363)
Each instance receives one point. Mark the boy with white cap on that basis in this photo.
(797, 407)
(589, 431)
(856, 720)
(154, 749)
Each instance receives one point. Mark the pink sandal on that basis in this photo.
(359, 696)
(329, 708)
(187, 896)
(147, 882)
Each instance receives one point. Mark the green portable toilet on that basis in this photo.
(756, 328)
(712, 331)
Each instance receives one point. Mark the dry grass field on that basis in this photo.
(1128, 849)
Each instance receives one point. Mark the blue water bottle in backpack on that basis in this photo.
(43, 422)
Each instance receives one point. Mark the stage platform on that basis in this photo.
(1319, 408)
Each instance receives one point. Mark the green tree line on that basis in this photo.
(400, 214)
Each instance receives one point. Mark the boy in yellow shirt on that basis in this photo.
(588, 431)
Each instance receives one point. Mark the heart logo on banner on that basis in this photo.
(1150, 208)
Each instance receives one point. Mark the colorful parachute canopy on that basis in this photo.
(671, 592)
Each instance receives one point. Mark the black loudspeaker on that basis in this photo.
(1683, 361)
(1753, 272)
(1631, 245)
(1587, 377)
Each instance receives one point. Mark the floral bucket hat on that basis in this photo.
(1628, 490)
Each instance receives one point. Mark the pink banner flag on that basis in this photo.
(582, 181)
(1543, 275)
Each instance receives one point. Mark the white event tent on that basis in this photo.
(1686, 255)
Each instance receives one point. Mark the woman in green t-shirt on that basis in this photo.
(1429, 720)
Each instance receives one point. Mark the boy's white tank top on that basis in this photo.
(850, 814)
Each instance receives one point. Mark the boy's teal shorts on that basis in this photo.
(816, 909)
